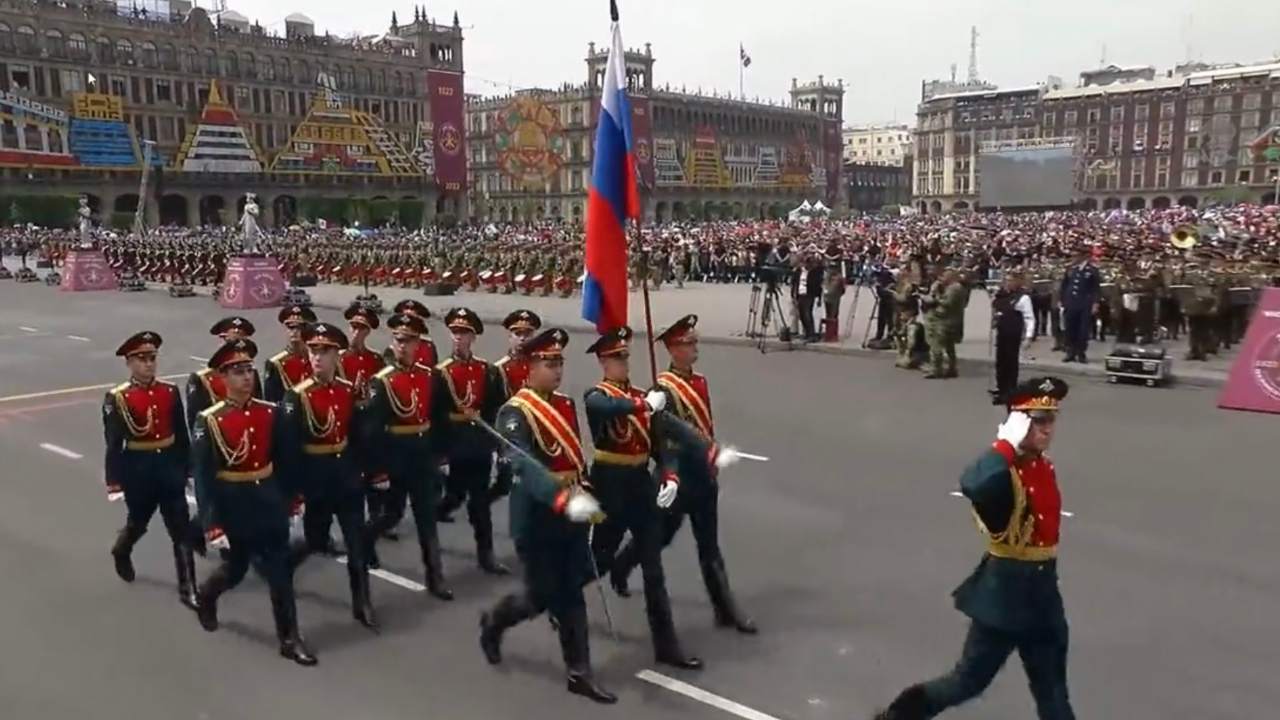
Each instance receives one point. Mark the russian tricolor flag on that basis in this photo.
(613, 197)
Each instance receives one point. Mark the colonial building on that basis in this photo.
(1142, 139)
(699, 156)
(884, 144)
(222, 107)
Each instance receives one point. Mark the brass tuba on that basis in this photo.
(1185, 237)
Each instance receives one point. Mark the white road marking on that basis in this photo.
(198, 359)
(81, 338)
(392, 578)
(68, 391)
(749, 456)
(1065, 513)
(702, 696)
(24, 328)
(59, 450)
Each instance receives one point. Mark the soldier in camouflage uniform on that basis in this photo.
(1201, 308)
(944, 313)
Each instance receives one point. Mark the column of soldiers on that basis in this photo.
(333, 430)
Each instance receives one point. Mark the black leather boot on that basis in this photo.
(436, 584)
(121, 552)
(666, 646)
(292, 646)
(185, 565)
(577, 656)
(484, 546)
(727, 612)
(361, 598)
(911, 704)
(490, 638)
(207, 599)
(623, 564)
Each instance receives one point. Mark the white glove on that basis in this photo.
(115, 493)
(582, 508)
(216, 540)
(726, 457)
(667, 493)
(1014, 429)
(444, 469)
(656, 400)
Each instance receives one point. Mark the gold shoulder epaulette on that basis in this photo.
(203, 373)
(280, 356)
(213, 409)
(502, 361)
(264, 402)
(120, 388)
(302, 386)
(344, 381)
(444, 363)
(384, 372)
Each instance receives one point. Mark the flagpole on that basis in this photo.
(742, 73)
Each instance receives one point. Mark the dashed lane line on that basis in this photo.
(79, 338)
(707, 698)
(59, 450)
(71, 390)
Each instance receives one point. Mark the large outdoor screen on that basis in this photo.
(1032, 177)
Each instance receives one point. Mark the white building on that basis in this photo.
(877, 144)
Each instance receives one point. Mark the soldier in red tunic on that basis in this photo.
(204, 386)
(1012, 598)
(471, 397)
(289, 366)
(243, 507)
(426, 354)
(359, 363)
(147, 460)
(689, 398)
(510, 374)
(400, 432)
(320, 412)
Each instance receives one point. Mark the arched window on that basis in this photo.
(26, 39)
(150, 58)
(106, 51)
(367, 81)
(268, 72)
(381, 79)
(55, 44)
(303, 74)
(413, 84)
(191, 60)
(348, 76)
(168, 57)
(6, 37)
(397, 83)
(249, 65)
(230, 64)
(124, 52)
(210, 62)
(283, 71)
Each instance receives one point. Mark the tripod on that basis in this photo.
(772, 308)
(853, 312)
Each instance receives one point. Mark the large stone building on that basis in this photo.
(877, 144)
(700, 156)
(303, 120)
(1142, 139)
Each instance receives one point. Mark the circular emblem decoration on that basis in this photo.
(642, 151)
(529, 141)
(1265, 366)
(450, 139)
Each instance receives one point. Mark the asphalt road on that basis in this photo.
(845, 547)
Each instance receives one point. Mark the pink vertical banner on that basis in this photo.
(1254, 382)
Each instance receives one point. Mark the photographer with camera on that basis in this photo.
(806, 288)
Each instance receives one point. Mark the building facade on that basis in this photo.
(222, 108)
(1142, 139)
(877, 144)
(873, 187)
(699, 156)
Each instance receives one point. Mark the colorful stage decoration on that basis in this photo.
(100, 137)
(529, 141)
(219, 143)
(33, 134)
(336, 140)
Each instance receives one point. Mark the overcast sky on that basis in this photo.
(881, 49)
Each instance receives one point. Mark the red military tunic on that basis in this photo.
(359, 366)
(292, 367)
(514, 373)
(1043, 499)
(626, 437)
(426, 356)
(468, 384)
(409, 391)
(692, 399)
(329, 409)
(147, 412)
(243, 437)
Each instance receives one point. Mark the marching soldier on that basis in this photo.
(1012, 598)
(626, 431)
(320, 412)
(204, 386)
(550, 510)
(243, 506)
(510, 374)
(689, 397)
(289, 366)
(406, 413)
(944, 313)
(468, 380)
(147, 460)
(358, 364)
(427, 356)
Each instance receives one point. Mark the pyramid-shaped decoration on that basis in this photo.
(218, 143)
(336, 140)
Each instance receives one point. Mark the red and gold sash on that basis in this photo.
(696, 408)
(637, 420)
(546, 420)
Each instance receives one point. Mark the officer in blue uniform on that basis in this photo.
(1080, 290)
